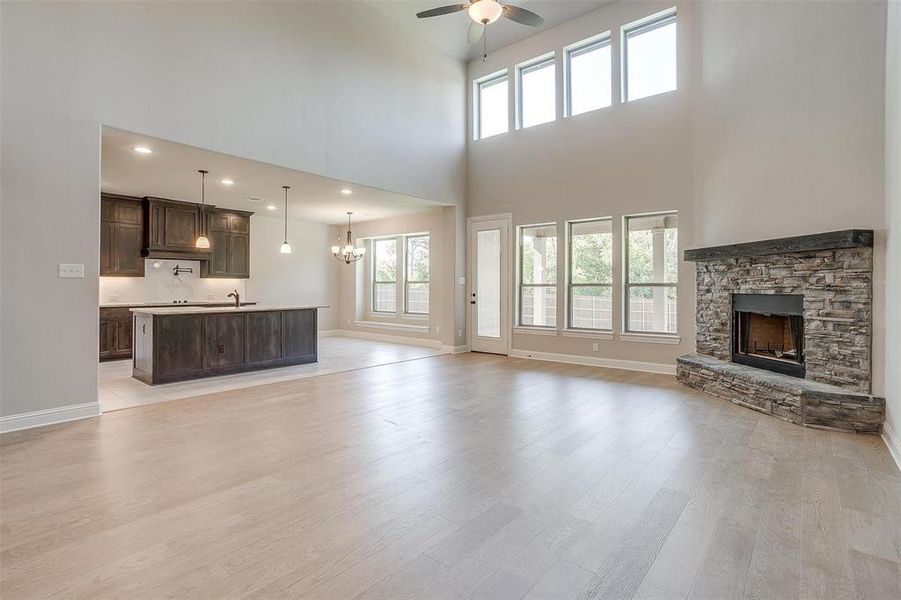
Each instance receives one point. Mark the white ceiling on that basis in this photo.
(171, 172)
(448, 32)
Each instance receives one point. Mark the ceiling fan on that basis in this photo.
(485, 12)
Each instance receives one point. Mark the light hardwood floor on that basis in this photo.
(468, 476)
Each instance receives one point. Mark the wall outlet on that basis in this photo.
(461, 281)
(437, 329)
(594, 346)
(71, 271)
(347, 322)
(459, 333)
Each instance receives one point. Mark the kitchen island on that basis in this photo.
(178, 343)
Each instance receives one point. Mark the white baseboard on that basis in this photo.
(50, 416)
(455, 349)
(329, 332)
(593, 361)
(891, 439)
(387, 337)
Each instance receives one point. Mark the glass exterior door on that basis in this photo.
(488, 298)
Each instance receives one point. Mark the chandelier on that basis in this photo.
(348, 253)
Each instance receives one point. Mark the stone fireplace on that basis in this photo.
(785, 327)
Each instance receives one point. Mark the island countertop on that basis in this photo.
(202, 310)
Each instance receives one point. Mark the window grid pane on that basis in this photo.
(538, 93)
(652, 273)
(590, 274)
(539, 306)
(492, 107)
(591, 307)
(589, 77)
(652, 309)
(538, 275)
(417, 297)
(650, 58)
(416, 266)
(384, 275)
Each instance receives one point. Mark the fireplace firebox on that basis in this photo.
(768, 332)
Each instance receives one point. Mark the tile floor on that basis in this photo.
(119, 390)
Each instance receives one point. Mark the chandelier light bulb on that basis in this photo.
(286, 248)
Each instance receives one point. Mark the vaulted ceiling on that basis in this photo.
(448, 32)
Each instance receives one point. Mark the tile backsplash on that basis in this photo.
(160, 285)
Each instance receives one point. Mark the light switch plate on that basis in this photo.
(71, 271)
(461, 280)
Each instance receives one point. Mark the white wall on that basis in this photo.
(355, 303)
(776, 129)
(893, 224)
(161, 285)
(331, 88)
(309, 275)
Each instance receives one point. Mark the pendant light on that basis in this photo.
(202, 241)
(348, 253)
(286, 247)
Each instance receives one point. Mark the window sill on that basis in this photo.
(587, 333)
(381, 315)
(651, 338)
(535, 330)
(414, 316)
(392, 326)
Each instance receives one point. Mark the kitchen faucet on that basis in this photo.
(237, 298)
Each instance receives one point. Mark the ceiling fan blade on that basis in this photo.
(441, 10)
(476, 30)
(521, 15)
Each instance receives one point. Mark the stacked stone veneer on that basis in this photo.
(838, 296)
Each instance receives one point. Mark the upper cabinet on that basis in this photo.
(172, 228)
(132, 229)
(121, 236)
(229, 234)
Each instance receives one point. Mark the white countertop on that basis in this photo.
(170, 303)
(195, 310)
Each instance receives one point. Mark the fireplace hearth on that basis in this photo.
(768, 332)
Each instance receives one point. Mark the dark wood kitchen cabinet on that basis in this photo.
(172, 228)
(229, 233)
(116, 333)
(121, 236)
(177, 346)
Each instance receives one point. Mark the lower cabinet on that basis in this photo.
(116, 333)
(225, 340)
(176, 347)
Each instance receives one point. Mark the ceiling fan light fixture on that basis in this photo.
(485, 11)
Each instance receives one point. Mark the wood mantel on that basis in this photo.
(832, 240)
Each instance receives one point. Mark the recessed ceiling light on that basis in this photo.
(347, 191)
(143, 150)
(272, 207)
(228, 182)
(253, 199)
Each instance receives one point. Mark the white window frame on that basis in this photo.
(596, 42)
(569, 275)
(519, 279)
(627, 285)
(407, 280)
(539, 62)
(478, 85)
(644, 25)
